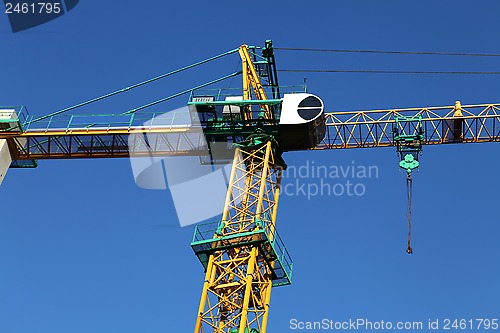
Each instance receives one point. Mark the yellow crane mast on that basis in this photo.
(243, 254)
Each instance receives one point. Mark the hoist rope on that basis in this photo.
(409, 190)
(156, 78)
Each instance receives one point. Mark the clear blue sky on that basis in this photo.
(83, 249)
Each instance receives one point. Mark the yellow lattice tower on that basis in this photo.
(245, 256)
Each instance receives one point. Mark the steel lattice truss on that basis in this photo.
(112, 142)
(453, 124)
(239, 277)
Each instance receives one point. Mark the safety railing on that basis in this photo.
(209, 237)
(220, 94)
(70, 122)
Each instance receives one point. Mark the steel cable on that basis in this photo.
(389, 52)
(377, 71)
(409, 190)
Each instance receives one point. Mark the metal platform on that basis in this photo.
(272, 249)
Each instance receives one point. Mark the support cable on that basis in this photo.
(376, 71)
(180, 93)
(135, 85)
(389, 52)
(409, 190)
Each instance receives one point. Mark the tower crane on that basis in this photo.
(242, 253)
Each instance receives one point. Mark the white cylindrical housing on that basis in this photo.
(302, 121)
(300, 108)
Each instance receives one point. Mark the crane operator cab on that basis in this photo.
(297, 120)
(302, 122)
